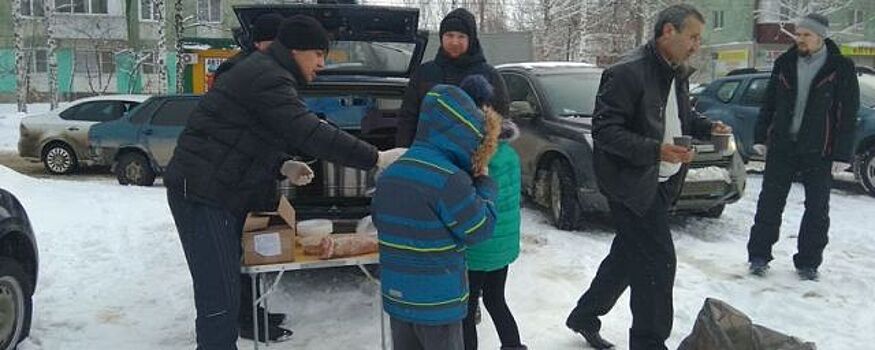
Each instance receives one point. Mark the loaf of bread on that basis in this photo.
(338, 246)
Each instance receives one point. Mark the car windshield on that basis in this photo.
(867, 90)
(365, 56)
(571, 94)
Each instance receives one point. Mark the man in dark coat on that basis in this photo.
(263, 32)
(238, 141)
(642, 105)
(459, 56)
(809, 112)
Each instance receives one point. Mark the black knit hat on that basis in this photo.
(301, 32)
(459, 20)
(265, 27)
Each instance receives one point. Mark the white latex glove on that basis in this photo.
(386, 158)
(839, 167)
(760, 149)
(299, 173)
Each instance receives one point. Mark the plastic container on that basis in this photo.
(315, 227)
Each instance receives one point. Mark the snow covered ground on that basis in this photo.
(9, 120)
(113, 275)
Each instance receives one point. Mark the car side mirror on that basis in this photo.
(522, 109)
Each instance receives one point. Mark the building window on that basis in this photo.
(858, 20)
(94, 61)
(209, 11)
(32, 8)
(148, 64)
(82, 6)
(148, 10)
(38, 61)
(718, 19)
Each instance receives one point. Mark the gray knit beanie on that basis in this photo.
(816, 23)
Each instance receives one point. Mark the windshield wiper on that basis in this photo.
(387, 47)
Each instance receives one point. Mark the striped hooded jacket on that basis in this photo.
(428, 209)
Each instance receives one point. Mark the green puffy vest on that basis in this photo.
(504, 246)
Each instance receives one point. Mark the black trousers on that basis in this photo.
(816, 175)
(642, 257)
(410, 336)
(210, 237)
(491, 285)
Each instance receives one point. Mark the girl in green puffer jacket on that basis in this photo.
(488, 261)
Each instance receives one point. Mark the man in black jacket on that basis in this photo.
(237, 143)
(459, 56)
(263, 32)
(642, 105)
(809, 112)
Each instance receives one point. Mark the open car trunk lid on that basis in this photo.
(368, 40)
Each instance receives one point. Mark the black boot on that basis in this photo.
(807, 274)
(274, 333)
(518, 347)
(274, 319)
(758, 267)
(594, 339)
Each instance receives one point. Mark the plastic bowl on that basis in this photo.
(315, 227)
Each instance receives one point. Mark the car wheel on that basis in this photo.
(15, 304)
(865, 170)
(134, 169)
(564, 208)
(59, 158)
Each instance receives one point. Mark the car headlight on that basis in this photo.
(731, 148)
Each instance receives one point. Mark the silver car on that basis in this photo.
(59, 138)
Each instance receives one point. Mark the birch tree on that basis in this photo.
(178, 29)
(21, 79)
(161, 60)
(52, 53)
(786, 12)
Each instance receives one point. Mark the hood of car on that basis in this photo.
(368, 40)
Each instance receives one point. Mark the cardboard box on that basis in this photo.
(269, 237)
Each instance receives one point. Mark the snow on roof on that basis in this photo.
(114, 97)
(547, 64)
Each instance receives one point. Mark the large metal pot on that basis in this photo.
(339, 181)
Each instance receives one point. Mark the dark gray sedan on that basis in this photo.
(553, 102)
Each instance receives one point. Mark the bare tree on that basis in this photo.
(140, 59)
(99, 72)
(21, 80)
(52, 53)
(613, 27)
(161, 60)
(786, 12)
(559, 28)
(523, 15)
(178, 29)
